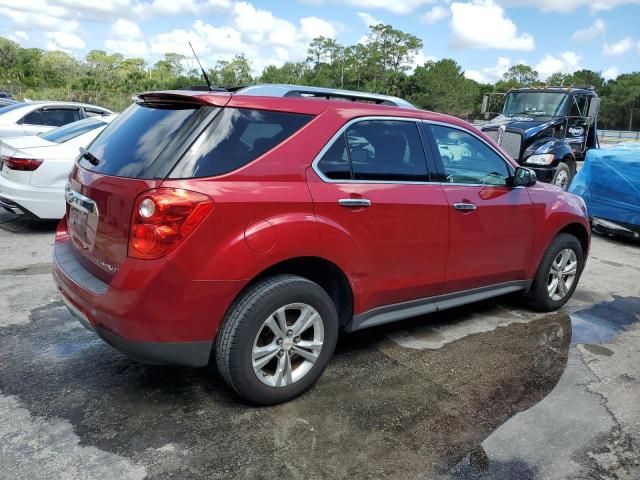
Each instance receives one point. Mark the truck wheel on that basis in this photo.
(557, 275)
(276, 339)
(563, 176)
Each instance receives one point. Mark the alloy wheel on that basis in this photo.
(562, 274)
(562, 180)
(287, 345)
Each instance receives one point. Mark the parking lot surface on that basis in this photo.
(491, 390)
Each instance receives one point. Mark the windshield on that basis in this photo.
(538, 104)
(73, 130)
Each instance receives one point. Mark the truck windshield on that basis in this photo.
(539, 104)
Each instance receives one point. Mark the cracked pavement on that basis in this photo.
(491, 390)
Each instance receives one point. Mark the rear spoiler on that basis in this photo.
(171, 98)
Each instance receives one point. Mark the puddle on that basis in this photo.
(603, 321)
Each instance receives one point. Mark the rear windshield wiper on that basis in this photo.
(91, 158)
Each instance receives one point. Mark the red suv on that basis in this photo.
(258, 224)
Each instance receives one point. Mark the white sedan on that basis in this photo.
(32, 118)
(34, 169)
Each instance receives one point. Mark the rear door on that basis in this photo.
(490, 223)
(379, 214)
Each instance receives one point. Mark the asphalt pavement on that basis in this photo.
(489, 391)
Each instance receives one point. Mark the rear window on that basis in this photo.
(73, 130)
(236, 137)
(146, 140)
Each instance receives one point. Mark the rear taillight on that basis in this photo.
(164, 217)
(22, 164)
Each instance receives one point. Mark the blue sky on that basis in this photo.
(484, 36)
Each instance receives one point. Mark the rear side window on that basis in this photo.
(236, 137)
(382, 150)
(56, 117)
(145, 140)
(73, 130)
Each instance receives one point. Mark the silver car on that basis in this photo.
(32, 118)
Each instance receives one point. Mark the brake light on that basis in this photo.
(22, 164)
(164, 217)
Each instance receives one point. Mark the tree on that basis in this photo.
(521, 75)
(559, 79)
(232, 73)
(622, 105)
(443, 87)
(8, 54)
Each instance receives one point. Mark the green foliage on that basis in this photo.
(441, 86)
(380, 63)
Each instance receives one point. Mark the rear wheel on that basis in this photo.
(562, 177)
(277, 339)
(558, 274)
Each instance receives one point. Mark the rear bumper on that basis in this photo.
(188, 354)
(156, 316)
(45, 203)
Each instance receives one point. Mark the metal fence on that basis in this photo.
(614, 136)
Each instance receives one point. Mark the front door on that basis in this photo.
(379, 215)
(490, 223)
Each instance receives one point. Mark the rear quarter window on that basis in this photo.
(145, 141)
(236, 137)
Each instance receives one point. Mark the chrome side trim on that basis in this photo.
(80, 202)
(414, 308)
(337, 135)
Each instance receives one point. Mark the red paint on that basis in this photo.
(410, 243)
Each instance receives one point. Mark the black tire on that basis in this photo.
(538, 296)
(243, 321)
(562, 172)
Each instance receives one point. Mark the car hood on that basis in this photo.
(528, 126)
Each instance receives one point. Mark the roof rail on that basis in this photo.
(277, 90)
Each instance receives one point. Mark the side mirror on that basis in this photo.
(524, 177)
(485, 103)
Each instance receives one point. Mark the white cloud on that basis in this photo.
(618, 48)
(64, 41)
(368, 20)
(611, 73)
(125, 29)
(436, 14)
(21, 35)
(180, 7)
(498, 31)
(31, 20)
(128, 48)
(420, 59)
(590, 33)
(567, 62)
(312, 27)
(568, 6)
(400, 7)
(490, 74)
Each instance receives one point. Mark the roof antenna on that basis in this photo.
(204, 74)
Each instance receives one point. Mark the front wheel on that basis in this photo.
(277, 339)
(562, 177)
(558, 274)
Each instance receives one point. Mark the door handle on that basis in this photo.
(354, 202)
(465, 207)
